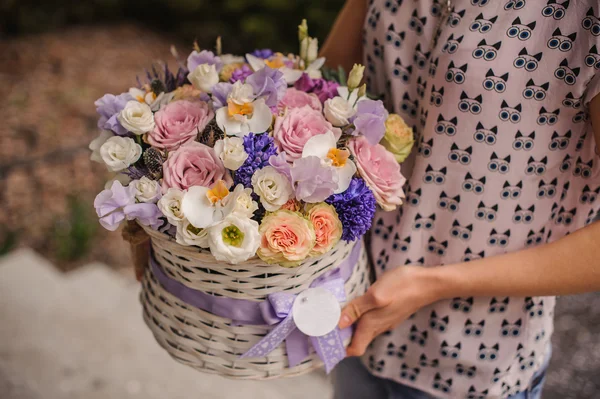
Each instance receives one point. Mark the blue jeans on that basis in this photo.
(353, 381)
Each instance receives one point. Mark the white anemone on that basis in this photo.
(204, 206)
(324, 146)
(291, 75)
(244, 114)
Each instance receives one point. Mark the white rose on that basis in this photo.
(187, 234)
(97, 143)
(244, 205)
(146, 190)
(273, 188)
(170, 205)
(231, 151)
(235, 239)
(337, 111)
(137, 117)
(119, 152)
(204, 77)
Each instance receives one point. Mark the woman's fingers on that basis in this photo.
(358, 307)
(363, 335)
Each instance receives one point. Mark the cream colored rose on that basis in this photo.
(204, 77)
(273, 188)
(137, 117)
(146, 190)
(187, 235)
(97, 143)
(118, 152)
(398, 138)
(231, 151)
(170, 205)
(337, 111)
(244, 205)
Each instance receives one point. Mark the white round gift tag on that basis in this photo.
(316, 312)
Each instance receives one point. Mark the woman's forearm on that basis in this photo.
(344, 43)
(570, 265)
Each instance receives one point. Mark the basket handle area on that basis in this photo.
(139, 246)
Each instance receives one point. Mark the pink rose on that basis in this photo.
(380, 170)
(286, 238)
(328, 228)
(193, 164)
(293, 130)
(179, 122)
(296, 99)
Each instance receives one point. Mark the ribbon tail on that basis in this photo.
(297, 347)
(272, 340)
(330, 348)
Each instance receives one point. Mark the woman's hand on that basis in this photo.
(395, 296)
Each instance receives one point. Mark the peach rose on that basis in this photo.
(328, 228)
(380, 170)
(287, 238)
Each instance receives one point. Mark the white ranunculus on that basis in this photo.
(337, 111)
(244, 205)
(187, 234)
(235, 239)
(204, 77)
(273, 188)
(231, 151)
(170, 205)
(146, 190)
(119, 153)
(137, 117)
(97, 143)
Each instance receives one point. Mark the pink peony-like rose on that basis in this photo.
(293, 130)
(292, 205)
(287, 238)
(328, 227)
(295, 99)
(193, 164)
(380, 170)
(179, 122)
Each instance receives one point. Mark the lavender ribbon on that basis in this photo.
(276, 310)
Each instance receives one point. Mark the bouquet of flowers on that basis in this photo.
(266, 155)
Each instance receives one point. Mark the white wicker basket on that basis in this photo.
(211, 343)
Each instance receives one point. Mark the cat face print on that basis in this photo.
(397, 351)
(583, 169)
(535, 238)
(566, 73)
(382, 230)
(437, 96)
(508, 113)
(441, 384)
(437, 248)
(425, 148)
(403, 73)
(461, 232)
(499, 165)
(522, 142)
(526, 363)
(418, 337)
(546, 117)
(529, 62)
(589, 196)
(413, 198)
(382, 259)
(451, 351)
(463, 305)
(488, 353)
(409, 106)
(455, 17)
(471, 105)
(466, 371)
(446, 126)
(514, 4)
(449, 203)
(392, 5)
(566, 164)
(525, 216)
(485, 51)
(555, 10)
(487, 136)
(511, 191)
(452, 44)
(435, 176)
(536, 92)
(560, 41)
(592, 60)
(409, 373)
(591, 22)
(462, 156)
(495, 83)
(420, 57)
(470, 256)
(474, 394)
(417, 23)
(510, 330)
(471, 184)
(482, 25)
(565, 217)
(402, 245)
(425, 362)
(422, 222)
(395, 38)
(498, 239)
(474, 329)
(456, 74)
(520, 30)
(498, 305)
(438, 323)
(571, 101)
(560, 142)
(536, 167)
(487, 213)
(377, 365)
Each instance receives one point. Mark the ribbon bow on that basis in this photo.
(278, 310)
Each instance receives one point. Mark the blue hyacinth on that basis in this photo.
(356, 209)
(259, 148)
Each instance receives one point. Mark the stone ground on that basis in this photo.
(48, 84)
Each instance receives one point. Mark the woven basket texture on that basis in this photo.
(211, 343)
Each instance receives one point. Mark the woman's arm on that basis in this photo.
(344, 43)
(570, 265)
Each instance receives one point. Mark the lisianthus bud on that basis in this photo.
(356, 75)
(362, 90)
(313, 50)
(302, 30)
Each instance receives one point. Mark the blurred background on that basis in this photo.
(58, 57)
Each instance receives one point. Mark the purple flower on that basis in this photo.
(109, 106)
(280, 163)
(241, 73)
(356, 208)
(268, 83)
(220, 91)
(262, 53)
(203, 57)
(324, 89)
(314, 181)
(118, 203)
(370, 120)
(259, 147)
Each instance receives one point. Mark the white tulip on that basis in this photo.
(137, 117)
(204, 77)
(235, 239)
(146, 190)
(119, 153)
(231, 151)
(337, 111)
(187, 235)
(273, 188)
(170, 205)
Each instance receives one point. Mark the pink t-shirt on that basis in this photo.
(505, 159)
